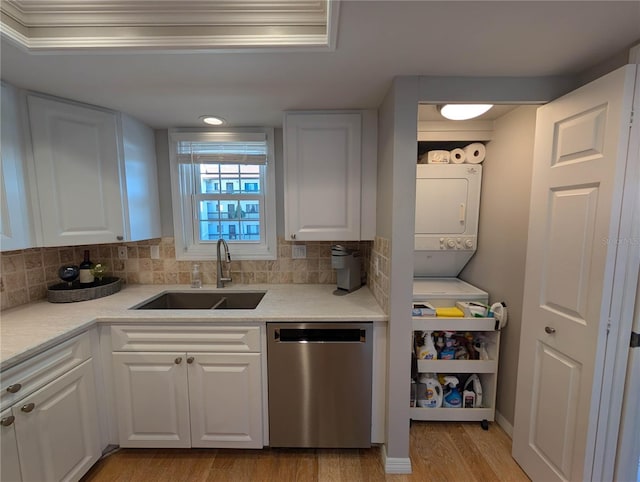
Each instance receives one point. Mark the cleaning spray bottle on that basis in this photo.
(432, 397)
(452, 397)
(427, 350)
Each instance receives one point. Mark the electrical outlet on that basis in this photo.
(122, 252)
(155, 252)
(377, 266)
(299, 251)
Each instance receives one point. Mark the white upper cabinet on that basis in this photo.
(95, 178)
(330, 175)
(15, 215)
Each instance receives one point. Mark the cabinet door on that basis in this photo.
(225, 395)
(77, 166)
(142, 200)
(322, 176)
(15, 215)
(10, 466)
(151, 399)
(57, 428)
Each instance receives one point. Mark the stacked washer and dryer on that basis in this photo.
(446, 237)
(446, 228)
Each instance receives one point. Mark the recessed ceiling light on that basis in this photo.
(463, 111)
(212, 120)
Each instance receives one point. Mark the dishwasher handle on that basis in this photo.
(319, 335)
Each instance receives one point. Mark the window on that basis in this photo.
(223, 186)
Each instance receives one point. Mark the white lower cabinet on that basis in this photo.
(225, 400)
(152, 399)
(188, 398)
(49, 423)
(10, 466)
(57, 429)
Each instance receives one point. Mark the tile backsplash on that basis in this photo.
(379, 271)
(26, 274)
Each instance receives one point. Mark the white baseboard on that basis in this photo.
(506, 426)
(395, 465)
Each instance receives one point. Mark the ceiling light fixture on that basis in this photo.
(463, 111)
(212, 120)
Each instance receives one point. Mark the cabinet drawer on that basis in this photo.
(27, 377)
(236, 339)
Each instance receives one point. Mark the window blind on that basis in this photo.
(222, 148)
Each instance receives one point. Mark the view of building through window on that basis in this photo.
(231, 201)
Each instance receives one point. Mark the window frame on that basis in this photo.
(185, 202)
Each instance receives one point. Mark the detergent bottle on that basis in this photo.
(432, 397)
(452, 397)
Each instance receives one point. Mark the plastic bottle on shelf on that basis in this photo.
(472, 392)
(439, 345)
(427, 350)
(432, 396)
(449, 350)
(452, 397)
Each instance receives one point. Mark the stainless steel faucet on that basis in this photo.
(220, 280)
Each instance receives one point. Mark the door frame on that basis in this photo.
(623, 300)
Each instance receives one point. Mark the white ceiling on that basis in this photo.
(376, 41)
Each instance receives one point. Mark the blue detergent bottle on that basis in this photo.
(452, 397)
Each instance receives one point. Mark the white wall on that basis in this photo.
(396, 165)
(499, 263)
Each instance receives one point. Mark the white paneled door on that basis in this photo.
(152, 399)
(579, 167)
(57, 428)
(225, 399)
(322, 172)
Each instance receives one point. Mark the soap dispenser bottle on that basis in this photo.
(196, 280)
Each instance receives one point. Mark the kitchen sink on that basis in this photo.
(203, 300)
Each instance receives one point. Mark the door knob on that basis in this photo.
(190, 360)
(549, 330)
(14, 388)
(178, 360)
(28, 407)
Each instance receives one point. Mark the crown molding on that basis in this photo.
(42, 13)
(40, 25)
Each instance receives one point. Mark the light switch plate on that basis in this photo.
(299, 251)
(155, 252)
(122, 252)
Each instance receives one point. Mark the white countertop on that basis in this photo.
(29, 329)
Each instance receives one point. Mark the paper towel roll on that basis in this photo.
(475, 153)
(438, 157)
(457, 156)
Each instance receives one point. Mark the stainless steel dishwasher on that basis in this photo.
(319, 384)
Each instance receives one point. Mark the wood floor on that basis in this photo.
(440, 451)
